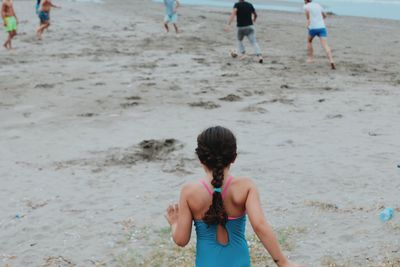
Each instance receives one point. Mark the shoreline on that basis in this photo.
(278, 7)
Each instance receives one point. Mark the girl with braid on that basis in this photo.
(219, 206)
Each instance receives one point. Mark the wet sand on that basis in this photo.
(98, 127)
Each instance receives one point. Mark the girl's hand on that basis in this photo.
(172, 214)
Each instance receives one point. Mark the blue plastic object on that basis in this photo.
(386, 214)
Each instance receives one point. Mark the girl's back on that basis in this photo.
(218, 205)
(217, 245)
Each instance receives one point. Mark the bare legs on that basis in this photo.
(167, 28)
(324, 44)
(328, 51)
(41, 29)
(7, 43)
(176, 28)
(310, 50)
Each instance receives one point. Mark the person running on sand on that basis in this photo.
(219, 206)
(171, 16)
(246, 16)
(316, 27)
(44, 16)
(10, 21)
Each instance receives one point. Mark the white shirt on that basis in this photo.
(316, 18)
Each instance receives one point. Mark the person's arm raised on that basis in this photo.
(53, 5)
(180, 219)
(262, 229)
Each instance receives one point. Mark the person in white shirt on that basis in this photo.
(316, 27)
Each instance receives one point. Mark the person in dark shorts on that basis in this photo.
(44, 16)
(246, 16)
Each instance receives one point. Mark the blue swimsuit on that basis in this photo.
(210, 253)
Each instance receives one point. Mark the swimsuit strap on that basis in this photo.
(204, 183)
(207, 187)
(226, 186)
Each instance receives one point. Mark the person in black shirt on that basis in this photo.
(245, 17)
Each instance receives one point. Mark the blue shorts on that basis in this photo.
(171, 18)
(322, 33)
(44, 16)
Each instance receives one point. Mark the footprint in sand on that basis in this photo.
(99, 84)
(255, 109)
(133, 98)
(45, 85)
(36, 204)
(230, 75)
(75, 80)
(200, 60)
(231, 98)
(204, 104)
(334, 116)
(129, 104)
(328, 88)
(278, 100)
(26, 114)
(245, 92)
(370, 133)
(87, 115)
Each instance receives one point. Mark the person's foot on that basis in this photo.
(242, 56)
(310, 60)
(39, 35)
(260, 59)
(333, 66)
(5, 46)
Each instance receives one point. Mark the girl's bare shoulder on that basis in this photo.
(243, 181)
(190, 187)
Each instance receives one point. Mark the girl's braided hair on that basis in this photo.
(216, 149)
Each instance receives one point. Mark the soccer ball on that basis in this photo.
(233, 53)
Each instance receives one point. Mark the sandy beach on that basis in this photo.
(98, 126)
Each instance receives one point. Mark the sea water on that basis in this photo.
(385, 9)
